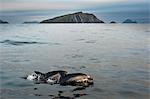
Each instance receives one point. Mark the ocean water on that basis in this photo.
(115, 55)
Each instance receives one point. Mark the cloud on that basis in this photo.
(33, 6)
(61, 0)
(100, 1)
(12, 5)
(7, 5)
(43, 9)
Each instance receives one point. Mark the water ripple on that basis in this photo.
(14, 42)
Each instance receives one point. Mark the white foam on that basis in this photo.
(32, 77)
(50, 81)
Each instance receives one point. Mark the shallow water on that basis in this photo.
(116, 56)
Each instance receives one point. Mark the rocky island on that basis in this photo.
(78, 17)
(3, 22)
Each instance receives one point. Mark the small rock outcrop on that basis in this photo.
(112, 22)
(129, 21)
(3, 22)
(78, 17)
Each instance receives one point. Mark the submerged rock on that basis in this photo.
(78, 17)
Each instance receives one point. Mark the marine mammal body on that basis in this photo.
(49, 77)
(77, 79)
(61, 77)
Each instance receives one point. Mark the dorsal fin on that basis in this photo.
(37, 72)
(61, 72)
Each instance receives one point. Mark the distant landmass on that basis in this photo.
(78, 17)
(31, 22)
(129, 21)
(3, 22)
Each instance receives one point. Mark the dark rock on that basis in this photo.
(129, 21)
(78, 17)
(3, 22)
(112, 22)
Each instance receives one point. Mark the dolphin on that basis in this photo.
(77, 79)
(61, 77)
(49, 77)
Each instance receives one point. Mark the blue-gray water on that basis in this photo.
(116, 56)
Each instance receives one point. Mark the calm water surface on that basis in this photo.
(116, 56)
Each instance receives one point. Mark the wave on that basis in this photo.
(14, 42)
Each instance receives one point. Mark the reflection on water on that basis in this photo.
(116, 56)
(59, 94)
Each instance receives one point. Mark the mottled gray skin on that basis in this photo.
(54, 75)
(76, 79)
(62, 78)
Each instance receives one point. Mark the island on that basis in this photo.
(129, 21)
(78, 17)
(3, 22)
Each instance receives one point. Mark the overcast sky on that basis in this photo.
(18, 11)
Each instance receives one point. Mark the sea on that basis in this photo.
(115, 55)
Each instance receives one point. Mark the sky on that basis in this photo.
(18, 11)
